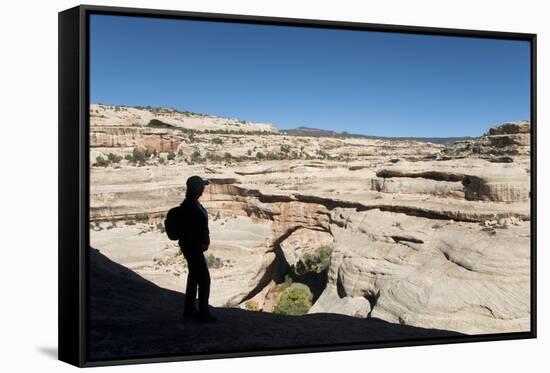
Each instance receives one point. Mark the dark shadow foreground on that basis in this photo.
(131, 317)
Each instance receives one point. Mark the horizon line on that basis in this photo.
(342, 132)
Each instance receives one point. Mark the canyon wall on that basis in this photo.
(409, 232)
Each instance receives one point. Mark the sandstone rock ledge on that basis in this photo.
(419, 234)
(132, 317)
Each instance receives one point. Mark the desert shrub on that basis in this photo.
(489, 231)
(171, 156)
(295, 300)
(139, 156)
(113, 158)
(130, 222)
(161, 160)
(260, 155)
(192, 137)
(180, 152)
(285, 148)
(323, 154)
(213, 261)
(217, 140)
(101, 162)
(249, 152)
(317, 261)
(196, 156)
(142, 216)
(274, 156)
(213, 157)
(227, 156)
(161, 228)
(252, 305)
(241, 158)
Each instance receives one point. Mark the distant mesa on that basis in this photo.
(310, 131)
(318, 132)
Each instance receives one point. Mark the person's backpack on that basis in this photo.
(173, 223)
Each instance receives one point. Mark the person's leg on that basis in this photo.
(203, 278)
(191, 288)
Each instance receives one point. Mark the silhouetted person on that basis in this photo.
(195, 241)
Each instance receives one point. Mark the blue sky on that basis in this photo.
(374, 83)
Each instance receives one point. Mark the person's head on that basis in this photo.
(195, 186)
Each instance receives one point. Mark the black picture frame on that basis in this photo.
(74, 177)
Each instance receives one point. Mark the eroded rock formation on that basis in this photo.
(414, 238)
(509, 139)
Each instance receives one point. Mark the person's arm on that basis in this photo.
(199, 228)
(205, 234)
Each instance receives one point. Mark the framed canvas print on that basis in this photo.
(236, 185)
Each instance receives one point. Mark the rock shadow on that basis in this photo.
(132, 317)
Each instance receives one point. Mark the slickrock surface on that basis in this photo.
(417, 233)
(132, 317)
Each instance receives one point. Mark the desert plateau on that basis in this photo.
(426, 233)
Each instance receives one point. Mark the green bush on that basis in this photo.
(285, 148)
(142, 216)
(139, 156)
(489, 231)
(196, 156)
(101, 162)
(317, 261)
(213, 261)
(295, 300)
(272, 156)
(213, 157)
(171, 156)
(323, 154)
(113, 158)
